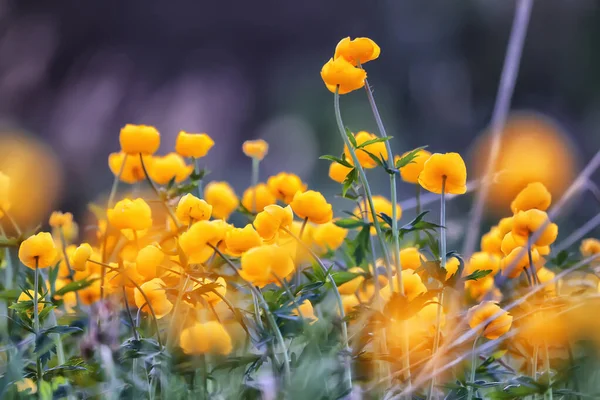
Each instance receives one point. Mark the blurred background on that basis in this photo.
(73, 73)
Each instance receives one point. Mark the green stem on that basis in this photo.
(182, 288)
(531, 264)
(365, 184)
(63, 242)
(197, 170)
(473, 369)
(155, 190)
(547, 366)
(255, 164)
(36, 327)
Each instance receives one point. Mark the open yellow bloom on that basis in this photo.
(411, 258)
(313, 206)
(80, 257)
(171, 166)
(307, 311)
(265, 264)
(240, 240)
(4, 193)
(525, 223)
(413, 286)
(190, 208)
(339, 72)
(256, 148)
(130, 214)
(148, 261)
(449, 168)
(132, 171)
(273, 218)
(205, 338)
(136, 139)
(327, 236)
(284, 186)
(157, 297)
(59, 219)
(352, 285)
(338, 172)
(28, 296)
(589, 247)
(196, 242)
(222, 198)
(483, 261)
(535, 195)
(359, 50)
(491, 242)
(478, 316)
(194, 145)
(520, 263)
(377, 149)
(410, 172)
(38, 251)
(264, 197)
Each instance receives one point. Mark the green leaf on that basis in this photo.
(341, 277)
(10, 294)
(349, 181)
(362, 244)
(350, 223)
(337, 160)
(380, 161)
(75, 286)
(198, 176)
(478, 274)
(61, 330)
(386, 218)
(408, 158)
(373, 141)
(75, 364)
(351, 137)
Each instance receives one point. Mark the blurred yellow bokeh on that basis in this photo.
(533, 149)
(35, 176)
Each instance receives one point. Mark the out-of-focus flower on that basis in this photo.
(90, 294)
(448, 169)
(256, 148)
(352, 285)
(259, 193)
(26, 385)
(377, 149)
(328, 236)
(148, 261)
(284, 186)
(194, 145)
(411, 258)
(313, 206)
(205, 338)
(80, 257)
(349, 302)
(520, 263)
(338, 172)
(533, 149)
(525, 223)
(4, 193)
(307, 311)
(28, 296)
(136, 139)
(273, 218)
(483, 261)
(382, 205)
(38, 251)
(478, 316)
(359, 50)
(163, 169)
(59, 219)
(265, 264)
(339, 72)
(222, 198)
(589, 247)
(132, 171)
(491, 242)
(410, 172)
(69, 299)
(157, 297)
(413, 286)
(534, 195)
(240, 240)
(480, 288)
(130, 214)
(191, 209)
(545, 275)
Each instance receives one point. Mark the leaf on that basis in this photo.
(488, 361)
(61, 329)
(350, 223)
(478, 274)
(341, 277)
(386, 218)
(399, 307)
(74, 364)
(373, 141)
(349, 180)
(337, 160)
(408, 158)
(10, 294)
(380, 161)
(351, 137)
(75, 286)
(9, 242)
(362, 244)
(198, 176)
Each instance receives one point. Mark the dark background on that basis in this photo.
(74, 72)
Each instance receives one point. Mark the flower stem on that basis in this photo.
(63, 242)
(155, 190)
(547, 366)
(36, 325)
(197, 169)
(255, 165)
(534, 276)
(473, 369)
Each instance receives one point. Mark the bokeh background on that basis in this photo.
(72, 73)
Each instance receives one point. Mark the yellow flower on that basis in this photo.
(352, 285)
(505, 225)
(136, 139)
(28, 296)
(59, 219)
(313, 206)
(26, 385)
(545, 275)
(273, 218)
(589, 247)
(338, 172)
(194, 145)
(80, 257)
(264, 197)
(519, 263)
(478, 289)
(411, 258)
(340, 72)
(478, 319)
(307, 311)
(130, 214)
(38, 251)
(4, 193)
(359, 50)
(91, 293)
(256, 148)
(119, 277)
(157, 297)
(452, 265)
(510, 242)
(240, 240)
(265, 264)
(172, 166)
(148, 261)
(196, 242)
(491, 242)
(377, 149)
(382, 205)
(535, 195)
(69, 299)
(449, 166)
(413, 286)
(483, 261)
(63, 266)
(410, 172)
(525, 223)
(222, 198)
(132, 170)
(205, 338)
(190, 208)
(211, 297)
(349, 302)
(327, 236)
(284, 186)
